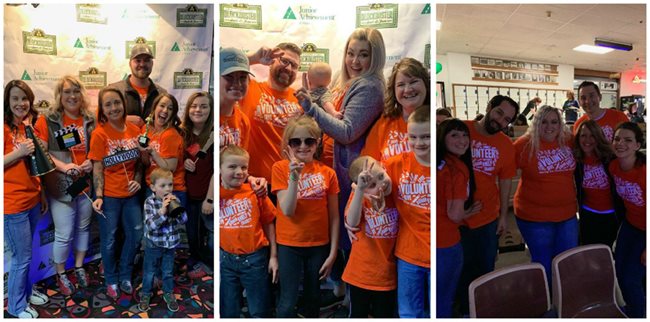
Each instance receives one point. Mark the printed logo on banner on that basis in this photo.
(93, 78)
(188, 79)
(311, 54)
(188, 47)
(36, 75)
(25, 76)
(89, 42)
(191, 16)
(289, 14)
(140, 40)
(139, 13)
(42, 106)
(426, 10)
(242, 16)
(427, 56)
(306, 12)
(78, 44)
(38, 42)
(392, 59)
(91, 13)
(378, 16)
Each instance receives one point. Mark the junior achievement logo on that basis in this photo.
(36, 75)
(188, 47)
(306, 12)
(90, 43)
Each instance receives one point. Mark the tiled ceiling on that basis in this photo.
(529, 32)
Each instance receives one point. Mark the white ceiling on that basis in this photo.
(523, 31)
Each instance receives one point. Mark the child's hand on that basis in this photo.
(167, 200)
(303, 96)
(295, 166)
(273, 269)
(259, 186)
(365, 176)
(378, 201)
(351, 232)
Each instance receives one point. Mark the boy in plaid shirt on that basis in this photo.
(162, 236)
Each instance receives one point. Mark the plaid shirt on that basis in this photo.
(161, 230)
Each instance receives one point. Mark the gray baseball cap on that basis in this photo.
(232, 60)
(141, 49)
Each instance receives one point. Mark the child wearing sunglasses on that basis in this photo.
(307, 220)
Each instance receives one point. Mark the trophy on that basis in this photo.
(40, 162)
(143, 140)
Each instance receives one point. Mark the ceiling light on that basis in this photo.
(612, 44)
(593, 49)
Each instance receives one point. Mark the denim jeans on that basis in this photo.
(128, 213)
(158, 259)
(297, 262)
(413, 290)
(449, 264)
(18, 231)
(198, 226)
(71, 220)
(545, 240)
(631, 273)
(249, 272)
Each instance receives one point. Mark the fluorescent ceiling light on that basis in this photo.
(438, 25)
(593, 49)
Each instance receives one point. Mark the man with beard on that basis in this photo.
(270, 105)
(138, 89)
(493, 156)
(589, 97)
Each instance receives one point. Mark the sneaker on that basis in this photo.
(126, 287)
(170, 299)
(29, 313)
(144, 303)
(112, 291)
(38, 298)
(197, 272)
(65, 286)
(82, 277)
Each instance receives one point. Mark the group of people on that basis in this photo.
(330, 180)
(125, 164)
(596, 171)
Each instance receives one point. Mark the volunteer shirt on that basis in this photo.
(234, 129)
(107, 141)
(493, 159)
(387, 138)
(169, 144)
(241, 216)
(608, 122)
(78, 150)
(412, 196)
(269, 111)
(309, 225)
(597, 193)
(452, 183)
(630, 185)
(372, 260)
(21, 191)
(327, 157)
(546, 190)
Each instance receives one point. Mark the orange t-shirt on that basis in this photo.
(79, 150)
(387, 138)
(107, 141)
(412, 196)
(493, 159)
(608, 122)
(595, 182)
(372, 260)
(269, 111)
(327, 157)
(546, 190)
(21, 190)
(241, 216)
(309, 225)
(235, 128)
(452, 183)
(169, 144)
(630, 185)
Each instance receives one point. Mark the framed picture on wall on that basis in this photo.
(484, 61)
(475, 61)
(491, 62)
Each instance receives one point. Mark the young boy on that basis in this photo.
(411, 176)
(320, 76)
(162, 236)
(246, 230)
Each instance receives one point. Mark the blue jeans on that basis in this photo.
(630, 271)
(449, 263)
(297, 262)
(128, 213)
(249, 272)
(547, 239)
(71, 221)
(198, 226)
(413, 290)
(18, 230)
(158, 259)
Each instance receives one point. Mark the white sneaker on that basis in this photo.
(29, 313)
(38, 298)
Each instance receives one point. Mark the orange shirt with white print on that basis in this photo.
(234, 129)
(21, 191)
(630, 185)
(106, 141)
(387, 138)
(546, 190)
(327, 157)
(168, 144)
(595, 184)
(608, 122)
(241, 216)
(493, 159)
(452, 183)
(309, 225)
(79, 150)
(269, 111)
(412, 195)
(372, 260)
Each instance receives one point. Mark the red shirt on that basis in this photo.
(595, 184)
(234, 128)
(21, 189)
(387, 138)
(452, 183)
(608, 122)
(630, 185)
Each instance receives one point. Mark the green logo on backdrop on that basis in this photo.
(240, 16)
(311, 54)
(78, 44)
(188, 79)
(38, 42)
(426, 10)
(25, 76)
(289, 14)
(379, 15)
(175, 47)
(191, 16)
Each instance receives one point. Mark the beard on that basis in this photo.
(282, 77)
(491, 126)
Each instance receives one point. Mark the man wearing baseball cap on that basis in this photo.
(138, 89)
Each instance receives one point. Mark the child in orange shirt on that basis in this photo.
(308, 223)
(371, 271)
(246, 230)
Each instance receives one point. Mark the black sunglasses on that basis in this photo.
(297, 142)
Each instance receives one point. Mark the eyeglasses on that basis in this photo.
(287, 62)
(297, 142)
